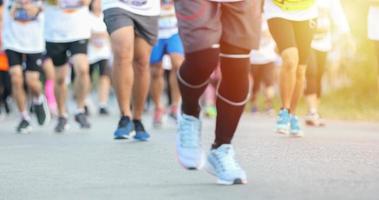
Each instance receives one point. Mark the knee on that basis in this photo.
(60, 80)
(82, 72)
(122, 55)
(156, 72)
(32, 78)
(141, 64)
(290, 59)
(300, 72)
(16, 77)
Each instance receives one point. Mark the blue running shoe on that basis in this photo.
(222, 164)
(125, 126)
(141, 133)
(283, 122)
(295, 130)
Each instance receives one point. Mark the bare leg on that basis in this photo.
(18, 87)
(299, 87)
(288, 76)
(61, 89)
(122, 73)
(82, 79)
(142, 76)
(177, 61)
(157, 84)
(33, 82)
(103, 90)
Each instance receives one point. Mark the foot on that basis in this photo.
(254, 110)
(62, 125)
(141, 133)
(188, 143)
(295, 130)
(211, 112)
(24, 127)
(222, 164)
(174, 113)
(125, 126)
(270, 112)
(158, 117)
(103, 111)
(314, 119)
(82, 120)
(42, 112)
(86, 110)
(283, 122)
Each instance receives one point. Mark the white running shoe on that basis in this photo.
(188, 143)
(222, 164)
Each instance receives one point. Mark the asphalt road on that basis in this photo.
(340, 161)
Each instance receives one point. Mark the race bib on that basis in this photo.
(138, 4)
(70, 4)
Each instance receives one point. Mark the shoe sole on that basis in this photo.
(65, 128)
(191, 168)
(282, 131)
(238, 181)
(297, 134)
(47, 112)
(27, 130)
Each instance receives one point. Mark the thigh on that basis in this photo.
(142, 51)
(57, 52)
(304, 35)
(34, 62)
(78, 47)
(158, 52)
(241, 23)
(174, 45)
(283, 33)
(14, 58)
(199, 24)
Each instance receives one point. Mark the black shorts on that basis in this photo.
(289, 34)
(33, 61)
(60, 52)
(104, 68)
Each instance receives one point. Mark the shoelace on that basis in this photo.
(225, 159)
(283, 118)
(139, 127)
(187, 139)
(295, 123)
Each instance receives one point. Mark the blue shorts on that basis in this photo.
(166, 46)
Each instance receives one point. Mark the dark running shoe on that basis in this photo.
(62, 125)
(141, 134)
(125, 126)
(103, 111)
(82, 120)
(42, 113)
(24, 127)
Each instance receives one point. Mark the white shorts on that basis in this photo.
(373, 23)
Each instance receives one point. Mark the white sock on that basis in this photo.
(38, 100)
(25, 115)
(79, 110)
